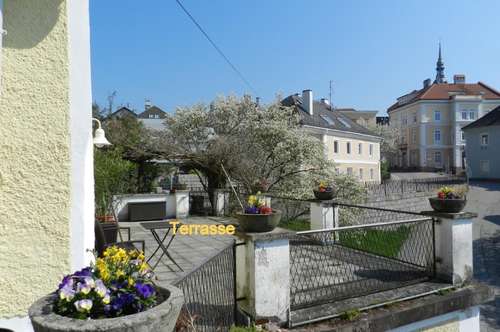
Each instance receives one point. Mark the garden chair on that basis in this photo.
(101, 244)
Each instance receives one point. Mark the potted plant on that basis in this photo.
(116, 293)
(324, 191)
(111, 177)
(448, 200)
(258, 217)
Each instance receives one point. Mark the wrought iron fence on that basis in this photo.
(393, 187)
(209, 294)
(351, 261)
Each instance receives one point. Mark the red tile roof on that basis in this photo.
(446, 91)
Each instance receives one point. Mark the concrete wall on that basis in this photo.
(457, 321)
(46, 175)
(475, 153)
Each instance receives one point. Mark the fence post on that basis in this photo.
(221, 201)
(453, 246)
(324, 214)
(263, 274)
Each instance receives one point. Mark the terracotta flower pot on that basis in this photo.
(323, 195)
(447, 205)
(259, 223)
(160, 318)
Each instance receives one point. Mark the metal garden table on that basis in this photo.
(154, 226)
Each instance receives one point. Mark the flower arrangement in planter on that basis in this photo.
(119, 284)
(323, 191)
(448, 200)
(258, 216)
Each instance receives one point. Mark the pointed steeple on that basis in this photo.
(439, 68)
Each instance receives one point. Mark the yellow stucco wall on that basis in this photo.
(34, 153)
(357, 160)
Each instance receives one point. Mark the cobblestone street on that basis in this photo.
(484, 198)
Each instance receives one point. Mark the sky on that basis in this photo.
(373, 51)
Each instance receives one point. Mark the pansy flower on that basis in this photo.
(83, 305)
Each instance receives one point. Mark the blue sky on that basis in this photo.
(374, 51)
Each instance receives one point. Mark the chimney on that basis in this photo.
(459, 79)
(307, 101)
(427, 83)
(147, 104)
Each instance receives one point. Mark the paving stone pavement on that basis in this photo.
(484, 199)
(188, 251)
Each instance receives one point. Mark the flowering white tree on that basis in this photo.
(262, 147)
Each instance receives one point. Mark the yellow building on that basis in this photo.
(430, 121)
(354, 149)
(46, 168)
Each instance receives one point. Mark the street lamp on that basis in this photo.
(99, 135)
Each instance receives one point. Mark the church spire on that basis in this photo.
(439, 69)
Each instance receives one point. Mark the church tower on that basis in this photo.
(439, 69)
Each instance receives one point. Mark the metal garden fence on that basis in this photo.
(352, 261)
(398, 187)
(209, 294)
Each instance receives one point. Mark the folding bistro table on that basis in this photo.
(154, 226)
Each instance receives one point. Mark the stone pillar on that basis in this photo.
(263, 274)
(221, 201)
(324, 214)
(453, 245)
(181, 203)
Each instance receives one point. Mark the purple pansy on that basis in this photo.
(252, 210)
(85, 272)
(66, 293)
(66, 282)
(144, 290)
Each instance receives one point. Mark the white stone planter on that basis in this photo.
(161, 318)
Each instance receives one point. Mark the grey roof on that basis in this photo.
(490, 119)
(322, 114)
(123, 111)
(153, 110)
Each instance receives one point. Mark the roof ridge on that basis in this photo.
(489, 87)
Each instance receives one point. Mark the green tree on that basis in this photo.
(262, 147)
(136, 144)
(112, 176)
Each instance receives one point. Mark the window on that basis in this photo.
(437, 157)
(361, 173)
(344, 122)
(371, 149)
(414, 136)
(437, 136)
(335, 146)
(484, 166)
(414, 117)
(462, 135)
(437, 115)
(349, 170)
(327, 119)
(348, 147)
(360, 148)
(464, 115)
(484, 139)
(371, 174)
(472, 115)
